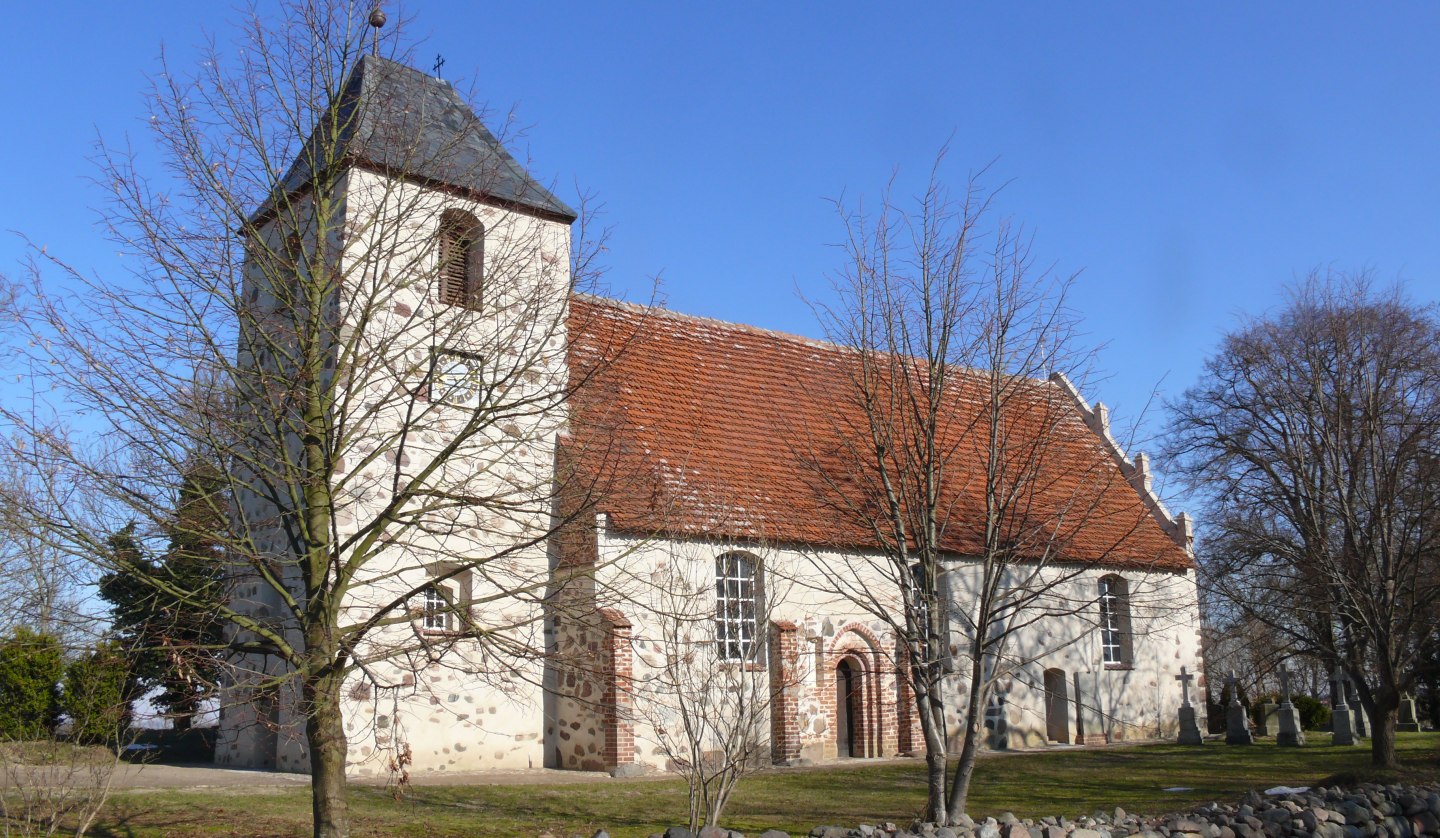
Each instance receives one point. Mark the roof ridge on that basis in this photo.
(791, 337)
(642, 308)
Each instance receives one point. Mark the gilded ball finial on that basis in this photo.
(377, 16)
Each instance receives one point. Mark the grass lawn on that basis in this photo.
(1037, 783)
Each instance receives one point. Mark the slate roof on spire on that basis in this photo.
(400, 121)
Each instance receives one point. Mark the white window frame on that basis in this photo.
(737, 607)
(942, 600)
(1114, 608)
(436, 613)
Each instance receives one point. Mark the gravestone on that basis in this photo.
(1237, 722)
(1265, 725)
(1189, 731)
(1340, 721)
(1357, 710)
(1287, 718)
(1409, 721)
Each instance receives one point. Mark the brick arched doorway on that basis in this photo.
(850, 715)
(861, 720)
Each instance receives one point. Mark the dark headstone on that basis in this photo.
(1409, 721)
(1189, 730)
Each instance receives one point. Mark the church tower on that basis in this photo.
(433, 272)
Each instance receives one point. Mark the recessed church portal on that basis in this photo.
(849, 709)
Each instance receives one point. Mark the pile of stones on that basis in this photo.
(1365, 811)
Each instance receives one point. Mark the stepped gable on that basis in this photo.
(701, 428)
(401, 122)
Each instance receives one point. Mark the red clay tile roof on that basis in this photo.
(703, 428)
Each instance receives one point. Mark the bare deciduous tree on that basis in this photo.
(703, 692)
(1313, 432)
(44, 587)
(347, 293)
(969, 467)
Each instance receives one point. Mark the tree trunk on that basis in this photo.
(932, 727)
(935, 767)
(969, 748)
(1382, 728)
(325, 733)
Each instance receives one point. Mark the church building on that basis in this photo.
(689, 537)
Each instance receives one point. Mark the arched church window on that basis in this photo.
(737, 599)
(1115, 621)
(462, 258)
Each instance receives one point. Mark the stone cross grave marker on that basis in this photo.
(1237, 726)
(1184, 678)
(1290, 733)
(1189, 731)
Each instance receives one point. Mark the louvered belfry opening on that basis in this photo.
(462, 259)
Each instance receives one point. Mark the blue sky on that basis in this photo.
(1188, 159)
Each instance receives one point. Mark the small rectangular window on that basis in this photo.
(437, 612)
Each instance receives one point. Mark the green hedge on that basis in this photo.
(94, 696)
(31, 666)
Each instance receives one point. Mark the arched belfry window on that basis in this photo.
(1115, 621)
(462, 258)
(737, 607)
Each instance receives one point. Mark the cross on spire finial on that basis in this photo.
(439, 62)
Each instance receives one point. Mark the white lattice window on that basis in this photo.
(436, 611)
(737, 598)
(1114, 621)
(924, 596)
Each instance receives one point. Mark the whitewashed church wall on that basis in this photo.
(458, 704)
(1135, 700)
(1138, 701)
